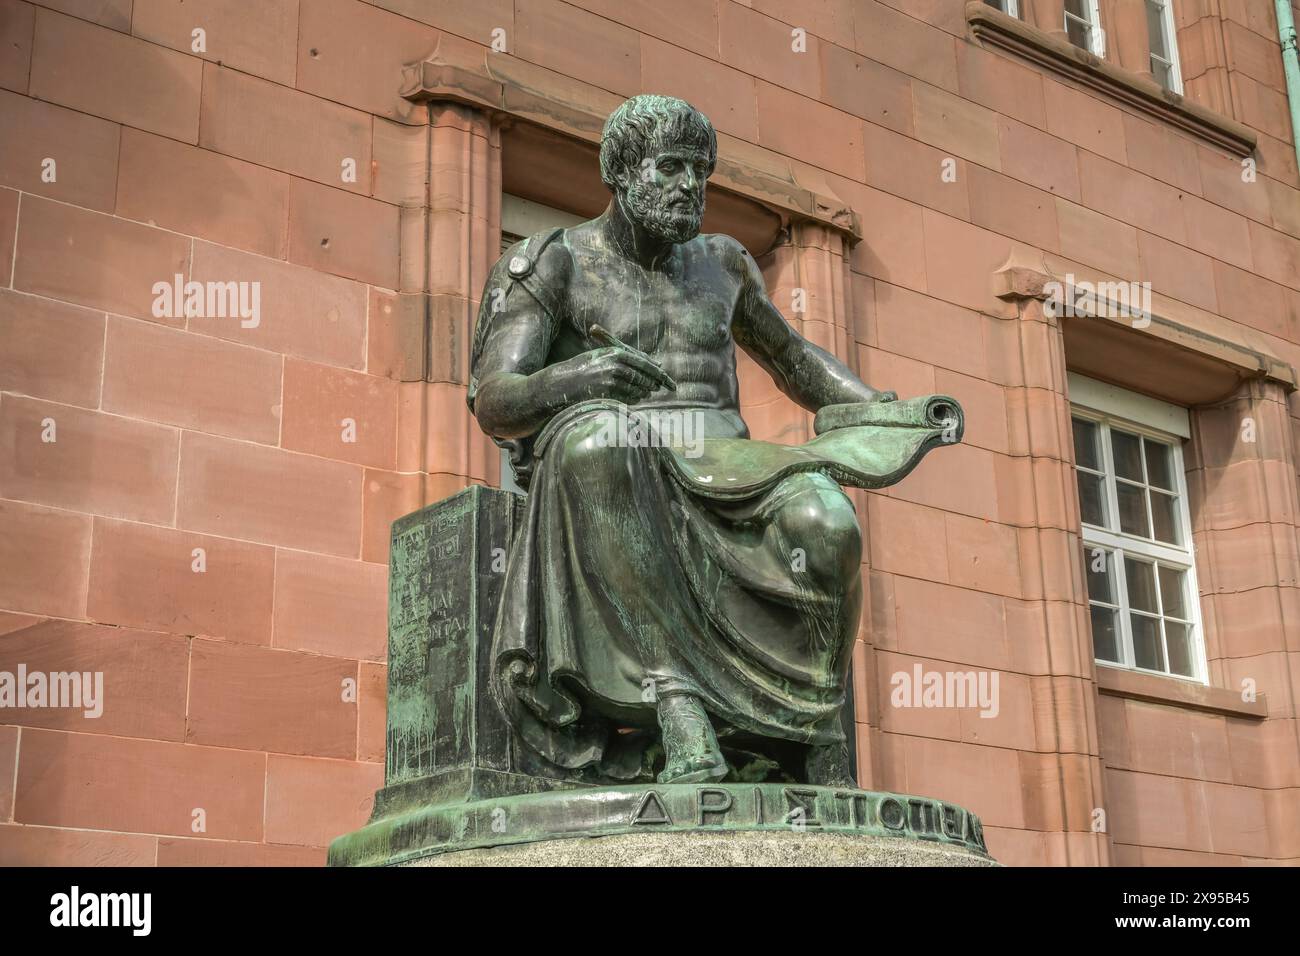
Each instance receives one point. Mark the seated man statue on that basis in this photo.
(672, 574)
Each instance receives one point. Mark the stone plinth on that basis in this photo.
(733, 848)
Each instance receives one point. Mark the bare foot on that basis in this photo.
(689, 742)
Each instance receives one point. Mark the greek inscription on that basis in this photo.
(951, 822)
(714, 805)
(922, 817)
(857, 806)
(651, 809)
(892, 814)
(801, 807)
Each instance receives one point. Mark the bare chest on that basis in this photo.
(668, 314)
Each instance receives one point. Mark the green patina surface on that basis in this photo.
(660, 633)
(425, 830)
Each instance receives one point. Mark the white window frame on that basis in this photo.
(1106, 405)
(1096, 35)
(522, 218)
(1010, 7)
(1171, 44)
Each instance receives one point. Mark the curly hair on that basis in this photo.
(646, 120)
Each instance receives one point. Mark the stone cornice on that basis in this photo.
(509, 88)
(1028, 277)
(994, 28)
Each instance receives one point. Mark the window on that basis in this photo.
(1006, 6)
(521, 218)
(1163, 40)
(1083, 26)
(1137, 549)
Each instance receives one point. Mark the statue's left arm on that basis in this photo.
(807, 373)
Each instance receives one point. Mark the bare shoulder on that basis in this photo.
(729, 257)
(544, 270)
(552, 263)
(579, 245)
(726, 252)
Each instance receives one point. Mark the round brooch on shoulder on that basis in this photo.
(519, 267)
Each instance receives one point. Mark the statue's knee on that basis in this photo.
(586, 452)
(819, 519)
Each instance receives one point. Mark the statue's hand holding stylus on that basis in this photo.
(612, 370)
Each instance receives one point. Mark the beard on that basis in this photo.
(664, 219)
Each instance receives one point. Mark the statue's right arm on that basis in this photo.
(518, 392)
(514, 397)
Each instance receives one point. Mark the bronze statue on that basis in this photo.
(670, 572)
(665, 649)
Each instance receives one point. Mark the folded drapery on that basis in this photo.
(643, 571)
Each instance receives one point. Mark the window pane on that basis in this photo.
(1160, 472)
(1164, 515)
(1163, 73)
(1105, 627)
(1156, 29)
(1087, 452)
(1147, 651)
(1092, 498)
(1141, 580)
(1141, 610)
(1099, 565)
(1178, 637)
(1132, 509)
(1078, 7)
(1077, 33)
(1172, 589)
(1128, 454)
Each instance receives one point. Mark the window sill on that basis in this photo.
(997, 29)
(1120, 682)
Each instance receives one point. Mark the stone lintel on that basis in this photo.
(1199, 367)
(994, 28)
(511, 90)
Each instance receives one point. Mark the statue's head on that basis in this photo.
(656, 155)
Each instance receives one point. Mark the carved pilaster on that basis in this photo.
(1204, 59)
(807, 277)
(448, 245)
(1246, 527)
(1047, 15)
(1063, 780)
(1129, 44)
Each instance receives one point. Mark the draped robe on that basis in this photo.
(728, 570)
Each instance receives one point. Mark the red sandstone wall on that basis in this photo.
(227, 689)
